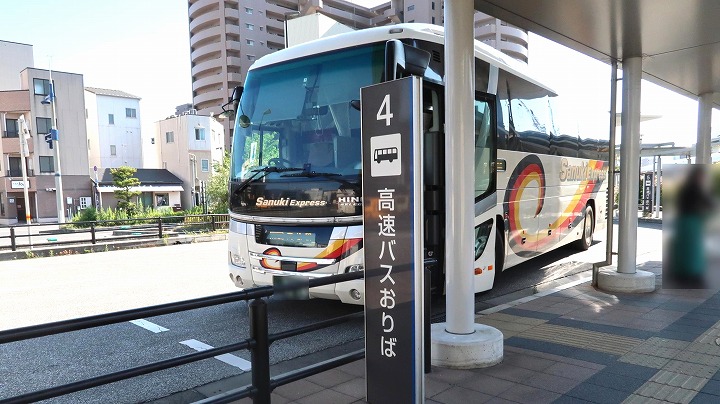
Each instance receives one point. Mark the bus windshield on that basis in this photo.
(300, 117)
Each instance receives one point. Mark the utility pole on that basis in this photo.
(56, 154)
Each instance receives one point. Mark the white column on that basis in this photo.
(459, 155)
(702, 149)
(629, 165)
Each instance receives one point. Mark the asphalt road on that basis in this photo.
(50, 289)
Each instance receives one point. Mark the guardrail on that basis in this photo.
(30, 235)
(258, 343)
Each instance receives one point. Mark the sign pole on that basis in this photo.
(393, 240)
(24, 153)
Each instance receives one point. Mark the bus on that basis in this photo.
(295, 182)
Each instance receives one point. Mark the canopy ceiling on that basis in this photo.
(679, 40)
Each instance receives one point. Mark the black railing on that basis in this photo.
(258, 344)
(32, 235)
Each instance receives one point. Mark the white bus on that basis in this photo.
(295, 181)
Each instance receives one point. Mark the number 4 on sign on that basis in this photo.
(384, 111)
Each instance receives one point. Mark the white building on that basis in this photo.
(113, 127)
(187, 146)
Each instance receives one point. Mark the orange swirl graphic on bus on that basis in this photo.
(337, 249)
(530, 171)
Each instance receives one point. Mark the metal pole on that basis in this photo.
(629, 164)
(459, 155)
(260, 351)
(611, 161)
(658, 185)
(56, 153)
(24, 153)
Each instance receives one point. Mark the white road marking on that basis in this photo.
(149, 326)
(230, 359)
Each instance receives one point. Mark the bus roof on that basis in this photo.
(427, 32)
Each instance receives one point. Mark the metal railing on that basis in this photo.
(258, 343)
(31, 235)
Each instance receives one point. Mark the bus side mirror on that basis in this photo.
(231, 107)
(402, 60)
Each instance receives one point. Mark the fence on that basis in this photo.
(258, 343)
(36, 235)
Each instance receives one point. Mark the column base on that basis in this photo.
(481, 349)
(610, 280)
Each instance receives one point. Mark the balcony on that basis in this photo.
(18, 173)
(10, 133)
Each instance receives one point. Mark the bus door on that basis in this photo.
(486, 206)
(434, 178)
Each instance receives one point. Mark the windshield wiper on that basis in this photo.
(260, 173)
(332, 176)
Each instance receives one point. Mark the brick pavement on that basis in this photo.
(572, 345)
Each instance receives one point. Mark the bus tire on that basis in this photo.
(586, 238)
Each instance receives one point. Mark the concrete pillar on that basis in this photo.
(702, 148)
(459, 342)
(459, 155)
(629, 165)
(627, 278)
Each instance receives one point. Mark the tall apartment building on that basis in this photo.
(227, 36)
(34, 85)
(113, 125)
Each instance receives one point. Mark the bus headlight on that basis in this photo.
(354, 268)
(237, 260)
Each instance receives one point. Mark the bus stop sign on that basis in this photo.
(393, 240)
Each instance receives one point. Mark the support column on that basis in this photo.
(627, 278)
(702, 148)
(460, 343)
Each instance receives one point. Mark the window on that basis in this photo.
(42, 86)
(411, 8)
(251, 57)
(162, 199)
(433, 20)
(111, 119)
(250, 42)
(11, 128)
(47, 165)
(169, 137)
(113, 150)
(248, 10)
(199, 133)
(43, 125)
(250, 27)
(130, 113)
(205, 165)
(433, 5)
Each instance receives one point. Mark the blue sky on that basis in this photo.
(142, 47)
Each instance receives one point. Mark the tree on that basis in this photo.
(217, 190)
(123, 179)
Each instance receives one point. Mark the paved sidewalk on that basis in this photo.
(572, 345)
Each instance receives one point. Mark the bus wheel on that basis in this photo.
(587, 235)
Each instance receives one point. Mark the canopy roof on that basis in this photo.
(678, 40)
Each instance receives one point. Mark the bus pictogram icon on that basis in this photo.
(386, 155)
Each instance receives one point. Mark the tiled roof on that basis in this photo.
(147, 176)
(110, 93)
